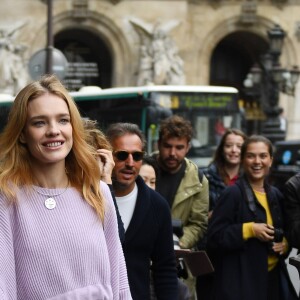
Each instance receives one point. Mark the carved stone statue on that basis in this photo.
(145, 76)
(13, 74)
(160, 62)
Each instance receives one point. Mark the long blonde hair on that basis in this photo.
(94, 136)
(81, 165)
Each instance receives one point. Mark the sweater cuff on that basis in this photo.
(248, 230)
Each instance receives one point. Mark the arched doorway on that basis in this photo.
(90, 61)
(233, 57)
(230, 63)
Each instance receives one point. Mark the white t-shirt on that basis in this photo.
(126, 205)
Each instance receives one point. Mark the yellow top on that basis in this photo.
(248, 227)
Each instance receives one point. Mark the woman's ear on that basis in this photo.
(22, 138)
(271, 162)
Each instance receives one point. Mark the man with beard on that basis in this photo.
(181, 183)
(146, 216)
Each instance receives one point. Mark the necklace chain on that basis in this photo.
(47, 195)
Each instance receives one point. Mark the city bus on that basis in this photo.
(146, 106)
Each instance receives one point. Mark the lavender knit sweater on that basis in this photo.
(60, 254)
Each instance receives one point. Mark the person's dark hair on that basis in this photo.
(151, 161)
(257, 139)
(175, 126)
(119, 129)
(219, 158)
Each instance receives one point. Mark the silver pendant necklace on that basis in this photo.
(50, 202)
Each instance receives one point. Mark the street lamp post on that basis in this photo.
(267, 78)
(49, 57)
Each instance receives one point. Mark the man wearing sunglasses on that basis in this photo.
(180, 182)
(146, 217)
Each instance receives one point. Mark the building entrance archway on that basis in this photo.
(89, 58)
(230, 63)
(233, 57)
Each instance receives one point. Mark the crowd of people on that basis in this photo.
(86, 214)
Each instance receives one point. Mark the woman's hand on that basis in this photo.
(263, 232)
(106, 164)
(280, 248)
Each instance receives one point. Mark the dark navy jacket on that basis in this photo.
(241, 268)
(216, 184)
(149, 237)
(292, 210)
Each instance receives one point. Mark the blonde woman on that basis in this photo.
(58, 226)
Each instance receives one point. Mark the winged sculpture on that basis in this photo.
(13, 74)
(160, 62)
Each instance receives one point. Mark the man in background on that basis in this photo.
(146, 217)
(181, 182)
(292, 210)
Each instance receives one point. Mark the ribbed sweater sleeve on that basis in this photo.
(8, 287)
(117, 264)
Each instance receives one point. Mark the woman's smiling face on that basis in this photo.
(232, 149)
(257, 162)
(48, 131)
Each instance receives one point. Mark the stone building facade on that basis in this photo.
(214, 41)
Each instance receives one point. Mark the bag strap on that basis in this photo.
(200, 175)
(250, 197)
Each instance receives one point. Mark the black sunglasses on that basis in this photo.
(123, 155)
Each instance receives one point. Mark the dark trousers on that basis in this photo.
(274, 284)
(204, 286)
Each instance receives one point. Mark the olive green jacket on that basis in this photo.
(191, 205)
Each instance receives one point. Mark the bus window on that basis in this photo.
(210, 109)
(123, 105)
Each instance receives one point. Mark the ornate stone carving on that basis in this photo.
(248, 12)
(115, 1)
(297, 30)
(160, 62)
(80, 9)
(279, 1)
(13, 71)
